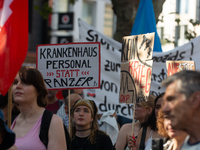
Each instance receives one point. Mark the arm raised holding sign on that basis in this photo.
(143, 111)
(126, 129)
(149, 128)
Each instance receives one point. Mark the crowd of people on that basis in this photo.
(41, 121)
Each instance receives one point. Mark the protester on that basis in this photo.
(144, 113)
(61, 111)
(29, 92)
(175, 137)
(121, 120)
(126, 130)
(182, 105)
(85, 133)
(77, 91)
(7, 137)
(53, 104)
(149, 128)
(73, 98)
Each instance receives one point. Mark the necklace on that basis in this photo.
(83, 130)
(80, 146)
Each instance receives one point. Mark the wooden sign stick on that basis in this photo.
(133, 119)
(133, 122)
(69, 110)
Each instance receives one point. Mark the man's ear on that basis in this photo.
(66, 109)
(195, 99)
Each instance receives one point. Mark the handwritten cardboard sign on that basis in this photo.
(135, 81)
(137, 47)
(73, 65)
(177, 66)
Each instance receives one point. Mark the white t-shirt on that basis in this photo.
(148, 143)
(168, 145)
(187, 146)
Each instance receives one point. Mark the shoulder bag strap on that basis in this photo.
(44, 128)
(142, 142)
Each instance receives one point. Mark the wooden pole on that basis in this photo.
(9, 107)
(133, 119)
(133, 122)
(69, 113)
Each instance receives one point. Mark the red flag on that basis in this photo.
(13, 40)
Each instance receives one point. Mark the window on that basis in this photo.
(177, 34)
(185, 29)
(161, 32)
(88, 12)
(180, 37)
(178, 4)
(198, 10)
(186, 6)
(108, 20)
(182, 6)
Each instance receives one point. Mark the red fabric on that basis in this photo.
(13, 40)
(53, 107)
(59, 95)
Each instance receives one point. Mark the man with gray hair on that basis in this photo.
(63, 111)
(182, 105)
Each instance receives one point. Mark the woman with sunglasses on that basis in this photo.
(144, 142)
(85, 133)
(143, 115)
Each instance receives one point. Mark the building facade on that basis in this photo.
(174, 21)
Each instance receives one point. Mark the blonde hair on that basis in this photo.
(149, 103)
(150, 119)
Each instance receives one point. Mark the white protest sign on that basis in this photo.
(73, 65)
(107, 97)
(189, 51)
